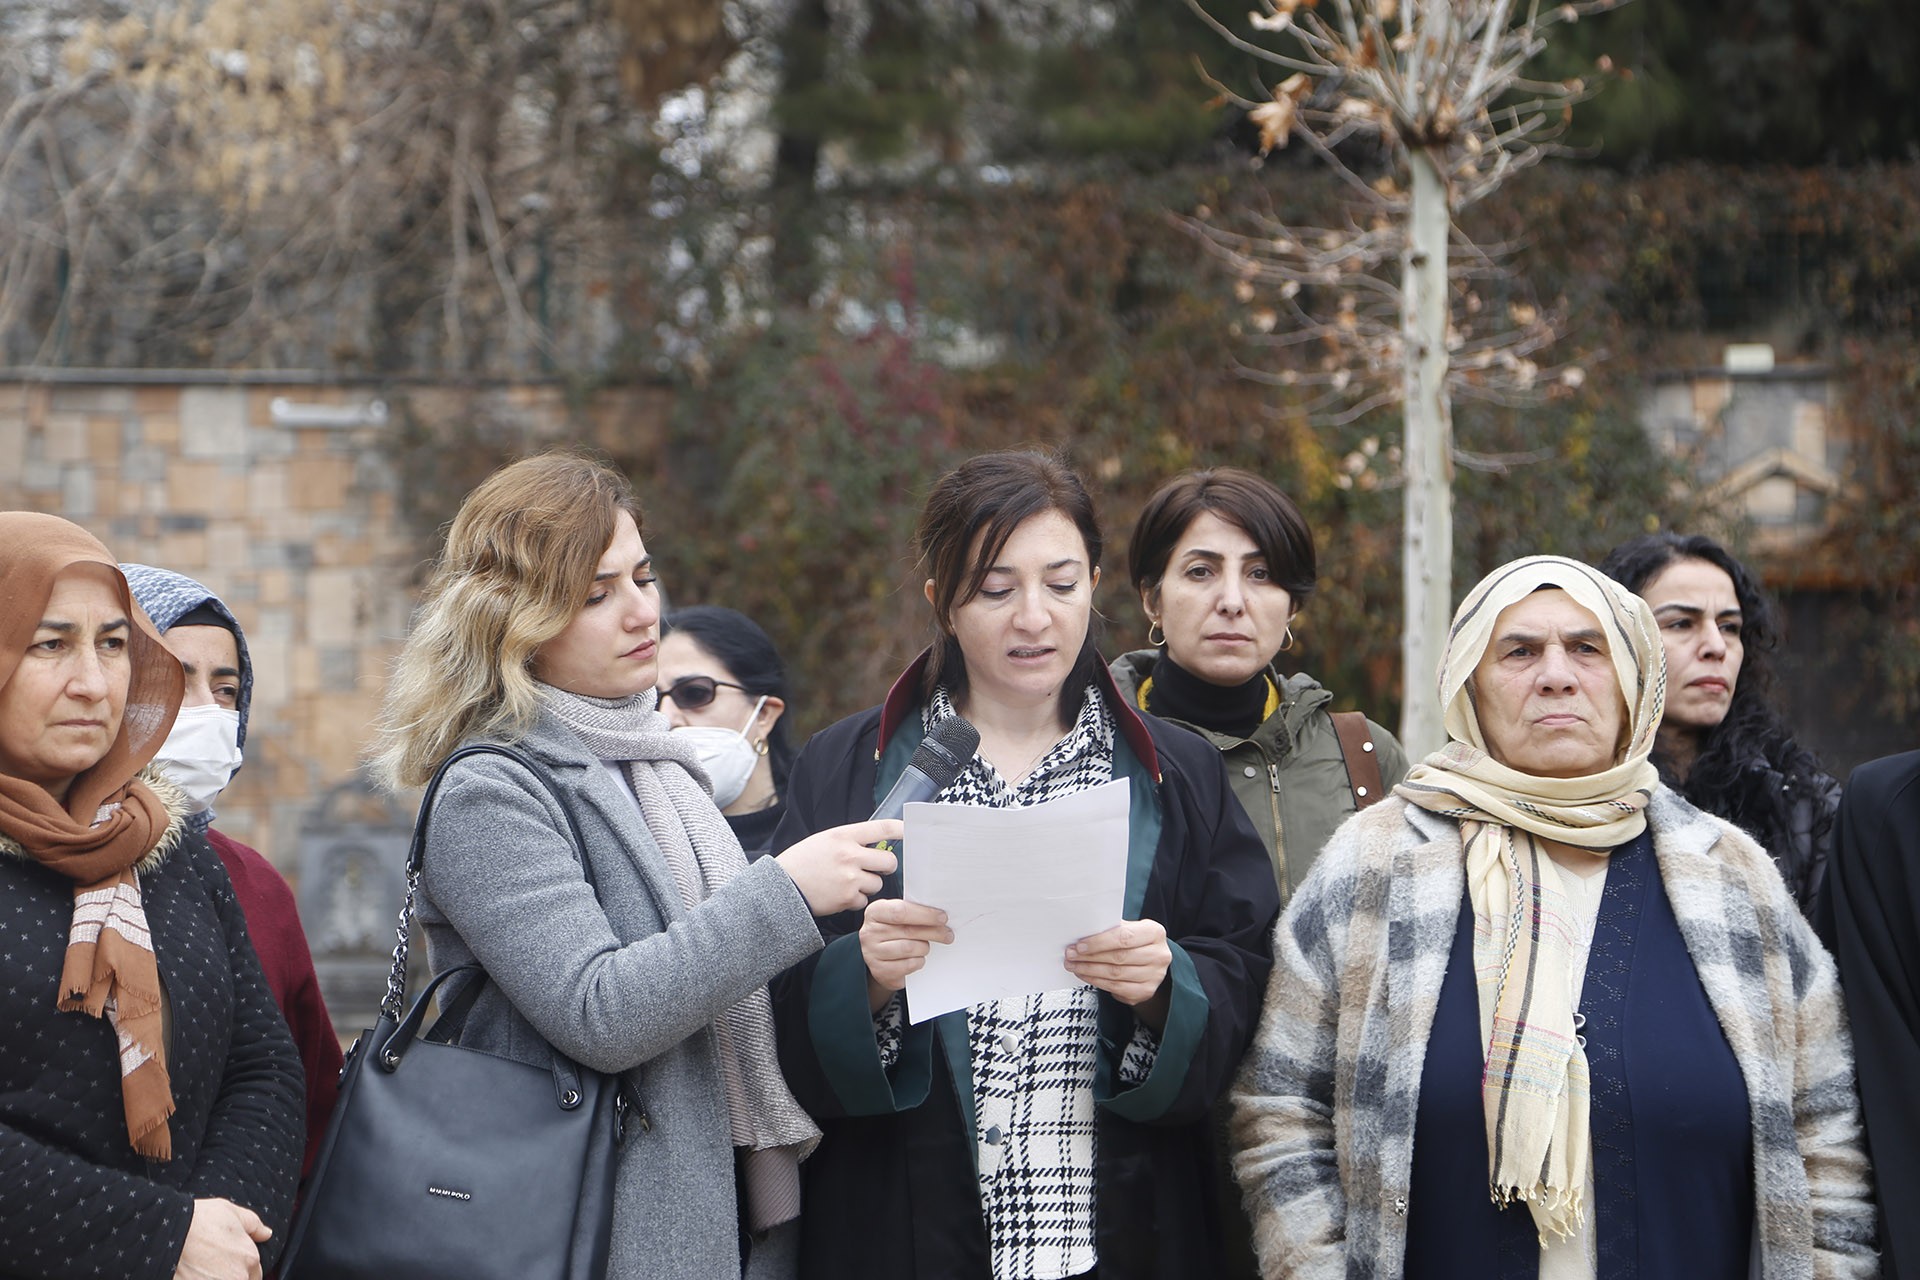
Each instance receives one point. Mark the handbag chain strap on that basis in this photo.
(394, 1004)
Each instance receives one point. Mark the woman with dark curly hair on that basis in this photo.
(1723, 743)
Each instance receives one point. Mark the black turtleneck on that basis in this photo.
(755, 829)
(1232, 709)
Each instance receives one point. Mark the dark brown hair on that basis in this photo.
(985, 499)
(1749, 769)
(1256, 505)
(739, 644)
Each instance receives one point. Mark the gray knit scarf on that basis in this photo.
(676, 801)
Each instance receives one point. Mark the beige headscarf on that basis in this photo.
(1536, 1088)
(109, 822)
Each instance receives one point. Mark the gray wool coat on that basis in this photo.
(630, 983)
(1325, 1104)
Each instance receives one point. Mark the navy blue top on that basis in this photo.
(1672, 1138)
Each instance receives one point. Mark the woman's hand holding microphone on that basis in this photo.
(837, 869)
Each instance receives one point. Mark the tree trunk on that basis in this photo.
(1427, 567)
(790, 197)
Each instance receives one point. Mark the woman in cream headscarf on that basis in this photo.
(1537, 1015)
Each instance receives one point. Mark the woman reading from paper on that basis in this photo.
(1057, 1135)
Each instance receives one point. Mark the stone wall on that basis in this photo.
(1768, 444)
(279, 493)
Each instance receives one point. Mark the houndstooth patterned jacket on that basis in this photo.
(1325, 1103)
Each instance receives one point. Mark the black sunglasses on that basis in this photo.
(695, 692)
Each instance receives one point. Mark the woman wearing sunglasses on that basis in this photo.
(724, 688)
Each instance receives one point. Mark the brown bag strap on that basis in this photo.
(1362, 760)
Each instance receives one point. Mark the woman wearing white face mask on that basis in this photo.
(200, 756)
(722, 684)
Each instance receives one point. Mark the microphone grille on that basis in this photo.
(944, 753)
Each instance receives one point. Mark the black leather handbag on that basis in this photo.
(447, 1163)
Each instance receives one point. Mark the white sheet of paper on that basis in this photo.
(1017, 885)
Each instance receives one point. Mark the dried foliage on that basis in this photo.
(793, 469)
(1369, 84)
(666, 45)
(365, 184)
(978, 194)
(1070, 313)
(1387, 305)
(1873, 547)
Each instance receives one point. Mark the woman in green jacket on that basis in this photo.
(1223, 561)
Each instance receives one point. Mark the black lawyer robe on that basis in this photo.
(1869, 912)
(896, 1193)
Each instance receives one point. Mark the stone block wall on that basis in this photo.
(296, 526)
(1768, 444)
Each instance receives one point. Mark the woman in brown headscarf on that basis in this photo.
(150, 1096)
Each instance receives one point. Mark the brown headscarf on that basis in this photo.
(110, 820)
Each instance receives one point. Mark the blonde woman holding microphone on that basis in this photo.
(540, 629)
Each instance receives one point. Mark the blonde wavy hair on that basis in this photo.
(518, 564)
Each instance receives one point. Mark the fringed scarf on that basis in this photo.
(108, 822)
(1535, 1088)
(676, 801)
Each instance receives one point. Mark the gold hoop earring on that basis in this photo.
(1286, 640)
(1153, 626)
(760, 747)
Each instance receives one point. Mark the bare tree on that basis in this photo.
(1391, 306)
(358, 184)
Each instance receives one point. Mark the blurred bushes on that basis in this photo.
(1077, 315)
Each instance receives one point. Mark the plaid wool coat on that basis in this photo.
(1325, 1103)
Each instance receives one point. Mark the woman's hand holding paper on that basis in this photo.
(895, 938)
(1128, 962)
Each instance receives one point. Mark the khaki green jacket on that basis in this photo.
(1289, 776)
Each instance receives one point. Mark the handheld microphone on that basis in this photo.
(942, 756)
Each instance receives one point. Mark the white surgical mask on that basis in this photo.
(201, 752)
(726, 755)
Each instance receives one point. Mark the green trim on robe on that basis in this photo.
(1186, 1023)
(841, 1024)
(1143, 824)
(1186, 1010)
